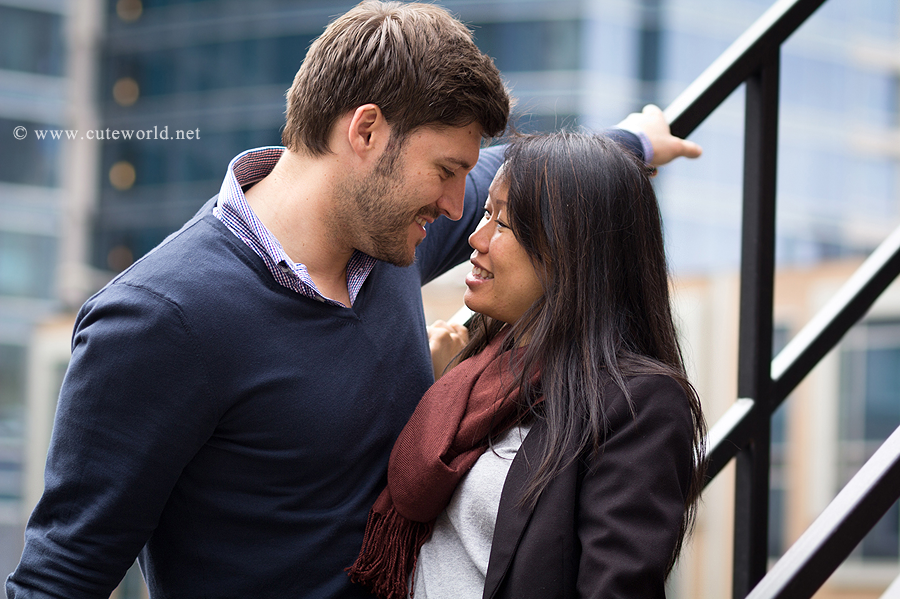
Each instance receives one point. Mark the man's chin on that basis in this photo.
(398, 258)
(393, 253)
(409, 258)
(405, 261)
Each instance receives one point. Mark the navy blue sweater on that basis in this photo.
(230, 431)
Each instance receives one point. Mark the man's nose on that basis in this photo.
(452, 202)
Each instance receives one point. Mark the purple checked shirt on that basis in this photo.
(233, 210)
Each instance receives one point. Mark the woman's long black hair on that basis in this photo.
(586, 213)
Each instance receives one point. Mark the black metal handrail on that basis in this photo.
(744, 432)
(736, 64)
(809, 346)
(838, 530)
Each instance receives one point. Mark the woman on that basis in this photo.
(561, 457)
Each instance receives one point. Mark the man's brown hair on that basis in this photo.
(415, 61)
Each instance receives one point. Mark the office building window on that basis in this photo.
(28, 161)
(26, 264)
(165, 161)
(31, 41)
(12, 395)
(777, 475)
(870, 412)
(219, 65)
(117, 246)
(893, 101)
(531, 45)
(526, 122)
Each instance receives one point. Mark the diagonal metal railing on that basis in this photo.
(744, 432)
(830, 539)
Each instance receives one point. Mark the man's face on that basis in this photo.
(388, 209)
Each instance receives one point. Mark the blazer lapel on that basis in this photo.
(511, 517)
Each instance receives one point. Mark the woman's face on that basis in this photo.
(503, 283)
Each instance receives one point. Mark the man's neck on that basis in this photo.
(293, 202)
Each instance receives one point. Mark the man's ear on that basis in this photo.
(369, 132)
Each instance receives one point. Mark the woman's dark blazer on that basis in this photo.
(606, 526)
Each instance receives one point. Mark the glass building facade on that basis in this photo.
(220, 68)
(33, 76)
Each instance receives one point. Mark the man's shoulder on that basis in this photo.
(489, 161)
(191, 263)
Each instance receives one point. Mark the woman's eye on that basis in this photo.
(487, 217)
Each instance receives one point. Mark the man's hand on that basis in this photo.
(445, 341)
(666, 147)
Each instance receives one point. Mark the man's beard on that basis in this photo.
(380, 231)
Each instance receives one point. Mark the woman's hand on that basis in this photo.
(445, 341)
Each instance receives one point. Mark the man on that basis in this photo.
(233, 397)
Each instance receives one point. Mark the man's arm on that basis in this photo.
(132, 412)
(665, 147)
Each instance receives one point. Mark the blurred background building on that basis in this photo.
(73, 211)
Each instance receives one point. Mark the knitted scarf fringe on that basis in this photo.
(389, 552)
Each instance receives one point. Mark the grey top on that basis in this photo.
(453, 562)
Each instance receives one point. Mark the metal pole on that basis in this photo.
(755, 352)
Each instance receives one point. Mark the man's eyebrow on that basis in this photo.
(458, 162)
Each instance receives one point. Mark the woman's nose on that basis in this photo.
(479, 240)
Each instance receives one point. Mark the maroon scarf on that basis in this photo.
(443, 439)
